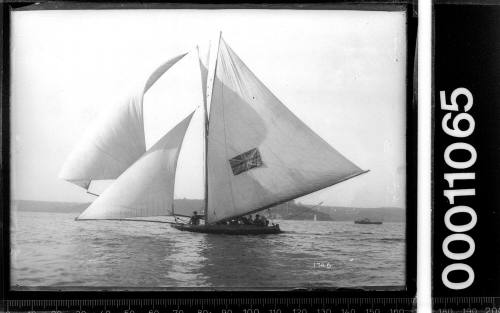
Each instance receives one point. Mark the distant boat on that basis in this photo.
(367, 221)
(257, 154)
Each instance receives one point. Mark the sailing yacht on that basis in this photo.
(257, 154)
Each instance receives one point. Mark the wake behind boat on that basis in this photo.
(257, 154)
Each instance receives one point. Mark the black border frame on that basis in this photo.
(409, 290)
(470, 51)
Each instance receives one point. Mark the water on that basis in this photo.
(51, 249)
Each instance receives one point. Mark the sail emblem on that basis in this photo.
(246, 161)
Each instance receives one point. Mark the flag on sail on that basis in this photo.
(147, 187)
(246, 161)
(259, 153)
(116, 141)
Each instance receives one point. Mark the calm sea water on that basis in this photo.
(51, 249)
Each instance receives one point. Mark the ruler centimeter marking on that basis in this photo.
(220, 305)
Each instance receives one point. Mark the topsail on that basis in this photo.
(116, 142)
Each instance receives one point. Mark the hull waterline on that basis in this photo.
(229, 229)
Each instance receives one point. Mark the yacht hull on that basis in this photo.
(229, 229)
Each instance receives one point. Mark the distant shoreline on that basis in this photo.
(290, 211)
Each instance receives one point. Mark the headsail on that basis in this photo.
(259, 152)
(204, 57)
(116, 142)
(147, 187)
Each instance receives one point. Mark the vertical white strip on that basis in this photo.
(424, 302)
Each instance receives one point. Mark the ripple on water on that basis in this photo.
(54, 250)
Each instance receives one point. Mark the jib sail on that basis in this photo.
(147, 187)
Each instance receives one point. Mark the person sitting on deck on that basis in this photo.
(265, 221)
(250, 220)
(245, 220)
(258, 220)
(195, 219)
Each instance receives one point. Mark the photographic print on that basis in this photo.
(178, 149)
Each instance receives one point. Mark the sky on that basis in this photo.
(341, 72)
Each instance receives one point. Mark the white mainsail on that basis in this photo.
(147, 187)
(116, 142)
(259, 153)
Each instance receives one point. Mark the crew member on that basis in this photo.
(245, 220)
(258, 220)
(265, 221)
(195, 219)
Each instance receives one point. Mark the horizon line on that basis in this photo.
(201, 199)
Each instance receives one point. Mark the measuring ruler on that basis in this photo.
(216, 305)
(466, 304)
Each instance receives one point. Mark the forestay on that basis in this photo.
(147, 187)
(259, 152)
(115, 142)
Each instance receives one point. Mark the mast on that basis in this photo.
(206, 113)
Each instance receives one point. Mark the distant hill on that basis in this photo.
(47, 206)
(294, 211)
(290, 211)
(386, 214)
(78, 207)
